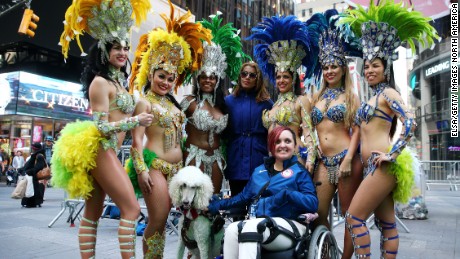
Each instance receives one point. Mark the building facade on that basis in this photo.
(244, 14)
(430, 79)
(306, 8)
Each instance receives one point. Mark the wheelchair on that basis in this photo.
(313, 244)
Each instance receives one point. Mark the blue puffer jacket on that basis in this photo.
(289, 193)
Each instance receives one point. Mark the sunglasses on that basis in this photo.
(245, 74)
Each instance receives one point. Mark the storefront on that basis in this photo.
(33, 107)
(433, 80)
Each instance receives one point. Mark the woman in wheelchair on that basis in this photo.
(281, 188)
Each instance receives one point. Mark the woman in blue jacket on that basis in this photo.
(247, 137)
(281, 187)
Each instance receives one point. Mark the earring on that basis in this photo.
(387, 71)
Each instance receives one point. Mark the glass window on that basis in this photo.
(21, 133)
(42, 127)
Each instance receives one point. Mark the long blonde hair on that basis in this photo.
(349, 96)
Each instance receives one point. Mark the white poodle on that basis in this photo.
(191, 189)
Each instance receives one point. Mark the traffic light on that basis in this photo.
(28, 23)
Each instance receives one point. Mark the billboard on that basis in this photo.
(37, 95)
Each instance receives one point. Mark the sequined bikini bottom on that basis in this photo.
(332, 164)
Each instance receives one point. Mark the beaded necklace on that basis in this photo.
(331, 94)
(378, 88)
(117, 76)
(207, 97)
(289, 96)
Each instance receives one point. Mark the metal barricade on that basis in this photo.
(124, 152)
(441, 173)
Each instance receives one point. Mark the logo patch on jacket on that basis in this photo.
(287, 173)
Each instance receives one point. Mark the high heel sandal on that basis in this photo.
(350, 227)
(88, 247)
(127, 241)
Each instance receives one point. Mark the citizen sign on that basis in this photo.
(60, 99)
(437, 68)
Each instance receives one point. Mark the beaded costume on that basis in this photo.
(333, 50)
(221, 58)
(177, 50)
(285, 42)
(382, 29)
(76, 150)
(167, 119)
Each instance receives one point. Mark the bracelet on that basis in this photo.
(392, 160)
(138, 161)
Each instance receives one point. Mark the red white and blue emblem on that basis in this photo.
(287, 173)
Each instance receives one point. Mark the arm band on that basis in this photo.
(107, 128)
(309, 136)
(138, 161)
(409, 125)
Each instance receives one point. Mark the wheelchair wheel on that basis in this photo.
(322, 245)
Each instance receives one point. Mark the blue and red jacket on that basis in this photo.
(289, 193)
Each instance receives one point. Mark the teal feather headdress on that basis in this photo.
(334, 42)
(384, 27)
(224, 56)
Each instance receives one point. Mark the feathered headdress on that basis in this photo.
(385, 27)
(105, 20)
(177, 50)
(334, 42)
(224, 56)
(286, 44)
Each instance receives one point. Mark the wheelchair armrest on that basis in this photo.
(307, 218)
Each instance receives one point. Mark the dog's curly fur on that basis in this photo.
(191, 188)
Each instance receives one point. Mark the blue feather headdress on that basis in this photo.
(334, 42)
(286, 44)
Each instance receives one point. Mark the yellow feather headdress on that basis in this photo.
(105, 20)
(177, 50)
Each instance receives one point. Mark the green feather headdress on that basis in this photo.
(224, 56)
(385, 27)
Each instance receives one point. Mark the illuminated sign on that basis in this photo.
(46, 97)
(437, 68)
(60, 99)
(454, 148)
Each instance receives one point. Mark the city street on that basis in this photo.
(24, 232)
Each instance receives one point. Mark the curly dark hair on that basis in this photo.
(96, 64)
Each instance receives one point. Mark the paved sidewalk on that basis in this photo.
(24, 232)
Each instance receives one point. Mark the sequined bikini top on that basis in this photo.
(366, 111)
(203, 120)
(336, 113)
(168, 119)
(284, 115)
(123, 102)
